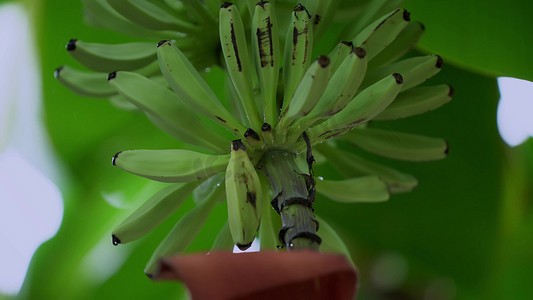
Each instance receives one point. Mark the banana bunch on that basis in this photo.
(279, 104)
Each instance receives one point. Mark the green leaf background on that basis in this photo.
(464, 233)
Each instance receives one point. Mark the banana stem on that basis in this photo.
(293, 200)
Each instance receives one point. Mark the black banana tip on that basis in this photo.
(114, 160)
(266, 127)
(406, 15)
(111, 76)
(162, 43)
(451, 92)
(439, 62)
(422, 26)
(323, 61)
(250, 133)
(262, 3)
(360, 52)
(398, 77)
(226, 5)
(149, 275)
(57, 71)
(115, 239)
(299, 7)
(447, 150)
(347, 43)
(71, 45)
(237, 145)
(243, 247)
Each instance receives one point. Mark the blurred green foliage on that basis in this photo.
(465, 231)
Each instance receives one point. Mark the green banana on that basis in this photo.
(339, 53)
(265, 45)
(109, 58)
(404, 42)
(350, 165)
(339, 92)
(101, 14)
(178, 133)
(417, 101)
(363, 108)
(415, 70)
(244, 197)
(331, 241)
(235, 49)
(151, 16)
(307, 94)
(187, 83)
(159, 101)
(184, 232)
(267, 237)
(84, 83)
(173, 165)
(398, 145)
(372, 11)
(298, 51)
(360, 189)
(153, 212)
(378, 35)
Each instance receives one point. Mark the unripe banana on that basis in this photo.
(151, 16)
(109, 58)
(173, 165)
(235, 49)
(404, 42)
(339, 92)
(84, 83)
(350, 165)
(378, 35)
(187, 83)
(414, 70)
(373, 10)
(398, 145)
(339, 53)
(161, 102)
(359, 189)
(244, 197)
(267, 236)
(307, 93)
(363, 108)
(298, 51)
(153, 212)
(265, 45)
(417, 101)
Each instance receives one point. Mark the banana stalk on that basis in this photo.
(293, 200)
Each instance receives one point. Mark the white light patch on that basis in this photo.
(255, 247)
(30, 213)
(515, 110)
(30, 204)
